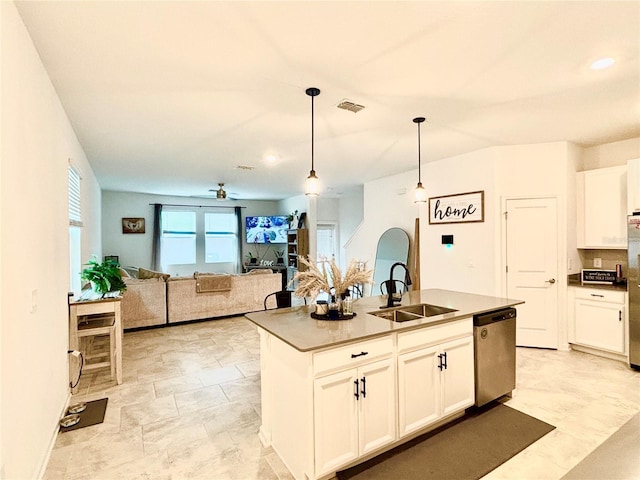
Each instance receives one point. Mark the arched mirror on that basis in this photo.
(393, 247)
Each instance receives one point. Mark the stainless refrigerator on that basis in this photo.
(633, 286)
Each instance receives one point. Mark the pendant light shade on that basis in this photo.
(312, 186)
(420, 192)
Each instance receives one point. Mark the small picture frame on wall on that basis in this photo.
(133, 225)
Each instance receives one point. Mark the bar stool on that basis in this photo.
(91, 335)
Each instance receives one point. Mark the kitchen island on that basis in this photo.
(335, 393)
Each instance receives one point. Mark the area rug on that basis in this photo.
(92, 415)
(467, 450)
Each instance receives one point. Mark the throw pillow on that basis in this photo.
(259, 271)
(144, 273)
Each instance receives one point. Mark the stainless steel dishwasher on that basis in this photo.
(494, 339)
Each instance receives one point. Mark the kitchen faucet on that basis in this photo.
(391, 286)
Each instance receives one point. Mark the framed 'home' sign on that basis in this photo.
(460, 208)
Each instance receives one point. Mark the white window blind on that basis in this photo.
(178, 244)
(75, 212)
(221, 237)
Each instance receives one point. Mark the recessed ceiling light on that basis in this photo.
(602, 63)
(271, 158)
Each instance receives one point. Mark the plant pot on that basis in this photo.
(280, 261)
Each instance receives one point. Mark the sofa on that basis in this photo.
(245, 293)
(144, 302)
(158, 299)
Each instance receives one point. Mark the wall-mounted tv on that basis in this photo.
(267, 229)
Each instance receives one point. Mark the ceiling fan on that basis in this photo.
(221, 193)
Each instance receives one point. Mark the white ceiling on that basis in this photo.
(169, 97)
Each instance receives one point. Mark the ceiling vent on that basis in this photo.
(244, 167)
(349, 105)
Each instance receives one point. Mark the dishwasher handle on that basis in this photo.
(493, 317)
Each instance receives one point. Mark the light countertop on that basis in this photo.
(574, 281)
(295, 326)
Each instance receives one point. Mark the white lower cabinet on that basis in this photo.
(434, 382)
(458, 389)
(599, 320)
(324, 410)
(354, 414)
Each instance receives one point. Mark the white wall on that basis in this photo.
(469, 265)
(37, 141)
(610, 154)
(135, 249)
(388, 202)
(350, 217)
(473, 264)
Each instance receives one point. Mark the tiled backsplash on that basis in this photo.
(609, 259)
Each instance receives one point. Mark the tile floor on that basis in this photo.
(189, 408)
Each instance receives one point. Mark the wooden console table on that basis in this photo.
(106, 310)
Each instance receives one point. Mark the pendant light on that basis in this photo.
(311, 184)
(420, 192)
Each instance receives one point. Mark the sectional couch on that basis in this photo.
(160, 299)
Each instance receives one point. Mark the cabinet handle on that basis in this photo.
(445, 360)
(619, 315)
(357, 392)
(596, 295)
(361, 354)
(364, 387)
(440, 364)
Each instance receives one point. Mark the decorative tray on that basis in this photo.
(317, 316)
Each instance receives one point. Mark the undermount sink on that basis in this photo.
(412, 312)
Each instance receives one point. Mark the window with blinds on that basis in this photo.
(75, 232)
(75, 213)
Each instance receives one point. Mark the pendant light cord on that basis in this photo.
(419, 120)
(312, 132)
(419, 162)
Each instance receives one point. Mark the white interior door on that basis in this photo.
(532, 264)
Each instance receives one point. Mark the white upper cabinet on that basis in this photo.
(602, 208)
(633, 185)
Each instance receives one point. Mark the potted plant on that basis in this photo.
(252, 259)
(104, 277)
(279, 257)
(292, 218)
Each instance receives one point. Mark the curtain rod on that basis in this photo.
(197, 206)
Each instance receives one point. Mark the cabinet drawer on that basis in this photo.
(600, 295)
(93, 308)
(352, 355)
(433, 335)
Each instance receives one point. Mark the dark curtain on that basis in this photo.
(238, 212)
(157, 235)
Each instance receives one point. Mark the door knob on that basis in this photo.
(551, 281)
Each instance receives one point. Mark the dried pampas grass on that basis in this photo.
(314, 280)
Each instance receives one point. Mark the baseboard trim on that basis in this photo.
(54, 436)
(600, 353)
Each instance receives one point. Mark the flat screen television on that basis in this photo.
(266, 229)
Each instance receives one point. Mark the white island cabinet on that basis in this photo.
(435, 376)
(324, 410)
(354, 414)
(336, 393)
